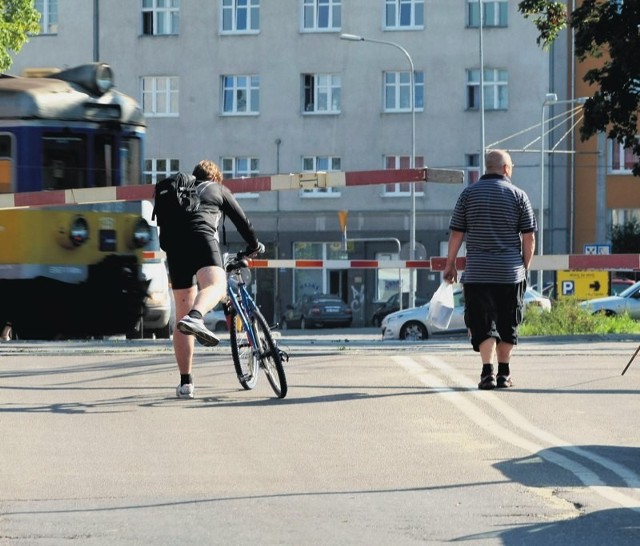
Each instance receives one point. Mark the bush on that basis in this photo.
(568, 318)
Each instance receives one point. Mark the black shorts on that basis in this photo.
(184, 262)
(493, 310)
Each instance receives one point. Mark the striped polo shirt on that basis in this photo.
(492, 213)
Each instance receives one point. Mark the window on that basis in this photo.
(494, 13)
(621, 159)
(158, 169)
(397, 91)
(48, 16)
(240, 167)
(496, 89)
(321, 93)
(403, 14)
(240, 94)
(6, 162)
(472, 164)
(324, 163)
(318, 15)
(160, 96)
(160, 17)
(240, 16)
(319, 281)
(401, 189)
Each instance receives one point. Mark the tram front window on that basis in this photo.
(65, 162)
(130, 161)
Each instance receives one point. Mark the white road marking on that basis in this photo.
(462, 401)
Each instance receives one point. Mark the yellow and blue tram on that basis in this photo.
(70, 271)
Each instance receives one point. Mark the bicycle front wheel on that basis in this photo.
(244, 361)
(270, 356)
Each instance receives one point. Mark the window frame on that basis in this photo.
(624, 156)
(48, 10)
(252, 17)
(397, 189)
(498, 16)
(472, 167)
(154, 172)
(314, 7)
(323, 84)
(236, 172)
(251, 90)
(333, 164)
(171, 96)
(394, 8)
(494, 88)
(155, 17)
(398, 86)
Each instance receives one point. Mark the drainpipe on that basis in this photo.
(96, 30)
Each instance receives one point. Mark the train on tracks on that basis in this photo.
(74, 271)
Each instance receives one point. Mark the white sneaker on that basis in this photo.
(195, 327)
(185, 391)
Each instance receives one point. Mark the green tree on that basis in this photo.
(18, 19)
(608, 30)
(625, 238)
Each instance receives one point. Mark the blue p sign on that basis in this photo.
(568, 288)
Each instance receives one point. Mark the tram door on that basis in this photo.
(339, 283)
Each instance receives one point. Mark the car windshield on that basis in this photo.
(629, 291)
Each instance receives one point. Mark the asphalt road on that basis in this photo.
(376, 443)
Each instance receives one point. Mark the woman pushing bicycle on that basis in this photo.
(188, 210)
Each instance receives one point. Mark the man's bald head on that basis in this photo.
(495, 162)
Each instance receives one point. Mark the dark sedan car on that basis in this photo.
(392, 305)
(317, 310)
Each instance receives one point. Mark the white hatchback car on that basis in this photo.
(411, 324)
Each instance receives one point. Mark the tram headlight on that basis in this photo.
(104, 77)
(74, 234)
(141, 234)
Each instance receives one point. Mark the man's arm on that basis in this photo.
(528, 248)
(450, 272)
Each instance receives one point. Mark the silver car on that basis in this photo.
(628, 300)
(411, 324)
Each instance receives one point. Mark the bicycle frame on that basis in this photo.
(243, 306)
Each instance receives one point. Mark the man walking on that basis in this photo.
(496, 221)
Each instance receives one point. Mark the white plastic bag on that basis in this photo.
(441, 306)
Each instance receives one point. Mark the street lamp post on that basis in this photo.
(549, 100)
(412, 99)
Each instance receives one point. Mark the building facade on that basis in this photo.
(265, 87)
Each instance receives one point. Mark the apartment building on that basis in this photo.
(268, 86)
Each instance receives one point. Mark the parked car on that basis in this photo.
(392, 305)
(628, 300)
(317, 310)
(619, 284)
(215, 319)
(533, 297)
(411, 324)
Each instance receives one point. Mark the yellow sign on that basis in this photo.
(582, 285)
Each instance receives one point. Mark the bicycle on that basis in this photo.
(252, 345)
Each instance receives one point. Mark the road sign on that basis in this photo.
(597, 249)
(582, 285)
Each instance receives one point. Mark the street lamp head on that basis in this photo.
(352, 37)
(581, 100)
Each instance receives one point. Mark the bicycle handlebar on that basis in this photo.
(240, 259)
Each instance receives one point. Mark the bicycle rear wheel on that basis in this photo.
(244, 361)
(270, 356)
